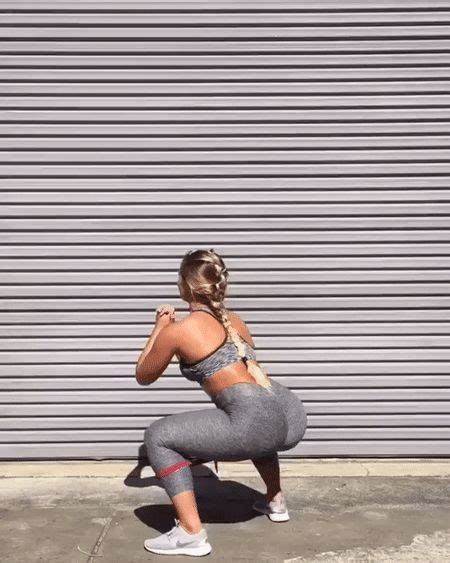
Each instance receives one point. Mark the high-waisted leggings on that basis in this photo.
(249, 422)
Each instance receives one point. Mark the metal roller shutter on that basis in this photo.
(305, 141)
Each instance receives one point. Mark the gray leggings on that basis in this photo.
(249, 422)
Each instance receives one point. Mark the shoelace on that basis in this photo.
(171, 532)
(278, 505)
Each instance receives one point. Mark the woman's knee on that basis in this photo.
(154, 435)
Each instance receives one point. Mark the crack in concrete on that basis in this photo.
(101, 537)
(365, 468)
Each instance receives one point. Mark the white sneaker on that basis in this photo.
(178, 541)
(276, 510)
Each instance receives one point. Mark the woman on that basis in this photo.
(255, 416)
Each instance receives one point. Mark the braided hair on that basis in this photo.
(206, 276)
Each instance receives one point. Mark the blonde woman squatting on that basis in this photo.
(256, 417)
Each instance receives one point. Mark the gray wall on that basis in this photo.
(307, 143)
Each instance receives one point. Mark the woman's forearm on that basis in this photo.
(148, 346)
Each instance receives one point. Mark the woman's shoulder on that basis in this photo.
(184, 325)
(241, 326)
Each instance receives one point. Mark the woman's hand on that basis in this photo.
(165, 314)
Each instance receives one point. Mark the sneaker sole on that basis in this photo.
(274, 516)
(194, 551)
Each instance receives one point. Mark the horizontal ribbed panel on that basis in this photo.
(306, 142)
(126, 449)
(394, 421)
(182, 6)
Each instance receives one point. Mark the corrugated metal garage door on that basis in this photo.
(305, 141)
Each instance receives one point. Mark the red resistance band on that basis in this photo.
(172, 468)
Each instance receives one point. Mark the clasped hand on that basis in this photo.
(165, 314)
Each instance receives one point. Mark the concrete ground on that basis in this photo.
(341, 511)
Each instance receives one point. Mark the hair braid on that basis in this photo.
(215, 301)
(253, 367)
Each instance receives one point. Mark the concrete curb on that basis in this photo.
(316, 467)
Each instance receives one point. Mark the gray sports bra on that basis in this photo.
(219, 358)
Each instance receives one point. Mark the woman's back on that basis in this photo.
(207, 354)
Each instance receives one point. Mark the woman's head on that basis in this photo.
(203, 278)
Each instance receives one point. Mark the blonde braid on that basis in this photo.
(216, 303)
(253, 367)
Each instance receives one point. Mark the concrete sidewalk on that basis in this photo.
(341, 511)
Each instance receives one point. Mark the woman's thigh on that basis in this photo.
(211, 434)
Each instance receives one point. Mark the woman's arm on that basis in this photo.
(159, 348)
(149, 344)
